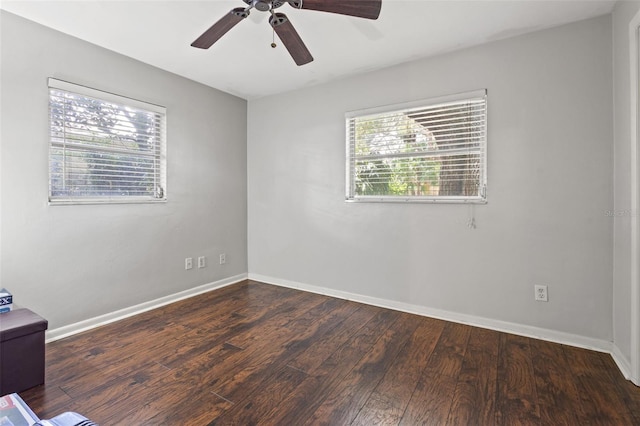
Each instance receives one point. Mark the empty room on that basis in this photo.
(270, 212)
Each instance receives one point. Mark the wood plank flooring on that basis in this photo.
(256, 354)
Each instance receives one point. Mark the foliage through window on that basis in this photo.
(433, 150)
(104, 147)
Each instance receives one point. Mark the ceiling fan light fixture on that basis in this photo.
(261, 5)
(264, 5)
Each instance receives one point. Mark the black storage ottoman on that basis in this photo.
(21, 350)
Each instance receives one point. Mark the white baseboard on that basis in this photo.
(88, 324)
(492, 324)
(624, 365)
(503, 326)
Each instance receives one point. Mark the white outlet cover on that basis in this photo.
(541, 294)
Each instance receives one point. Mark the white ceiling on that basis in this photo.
(243, 63)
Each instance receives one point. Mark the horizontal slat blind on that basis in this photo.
(427, 151)
(103, 147)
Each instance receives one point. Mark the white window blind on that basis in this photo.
(104, 147)
(432, 150)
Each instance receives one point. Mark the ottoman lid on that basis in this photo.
(20, 322)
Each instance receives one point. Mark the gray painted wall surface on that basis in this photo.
(549, 185)
(71, 263)
(623, 14)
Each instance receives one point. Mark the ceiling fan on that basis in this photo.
(369, 9)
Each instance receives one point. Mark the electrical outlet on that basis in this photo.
(188, 263)
(541, 293)
(223, 258)
(202, 262)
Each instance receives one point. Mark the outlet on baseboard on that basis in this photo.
(223, 258)
(188, 263)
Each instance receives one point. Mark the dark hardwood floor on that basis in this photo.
(252, 354)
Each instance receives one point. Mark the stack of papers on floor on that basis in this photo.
(14, 412)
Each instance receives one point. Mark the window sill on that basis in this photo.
(419, 200)
(74, 202)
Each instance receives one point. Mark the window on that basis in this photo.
(431, 151)
(104, 147)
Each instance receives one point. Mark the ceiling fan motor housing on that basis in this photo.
(264, 5)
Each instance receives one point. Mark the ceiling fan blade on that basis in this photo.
(220, 28)
(369, 9)
(290, 38)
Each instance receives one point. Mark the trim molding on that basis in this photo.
(476, 321)
(492, 324)
(635, 225)
(621, 361)
(88, 324)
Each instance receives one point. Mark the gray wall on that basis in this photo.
(549, 185)
(71, 263)
(622, 16)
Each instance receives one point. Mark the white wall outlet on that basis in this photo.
(188, 263)
(223, 258)
(202, 262)
(541, 293)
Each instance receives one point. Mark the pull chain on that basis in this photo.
(273, 39)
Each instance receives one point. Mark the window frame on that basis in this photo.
(159, 157)
(350, 184)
